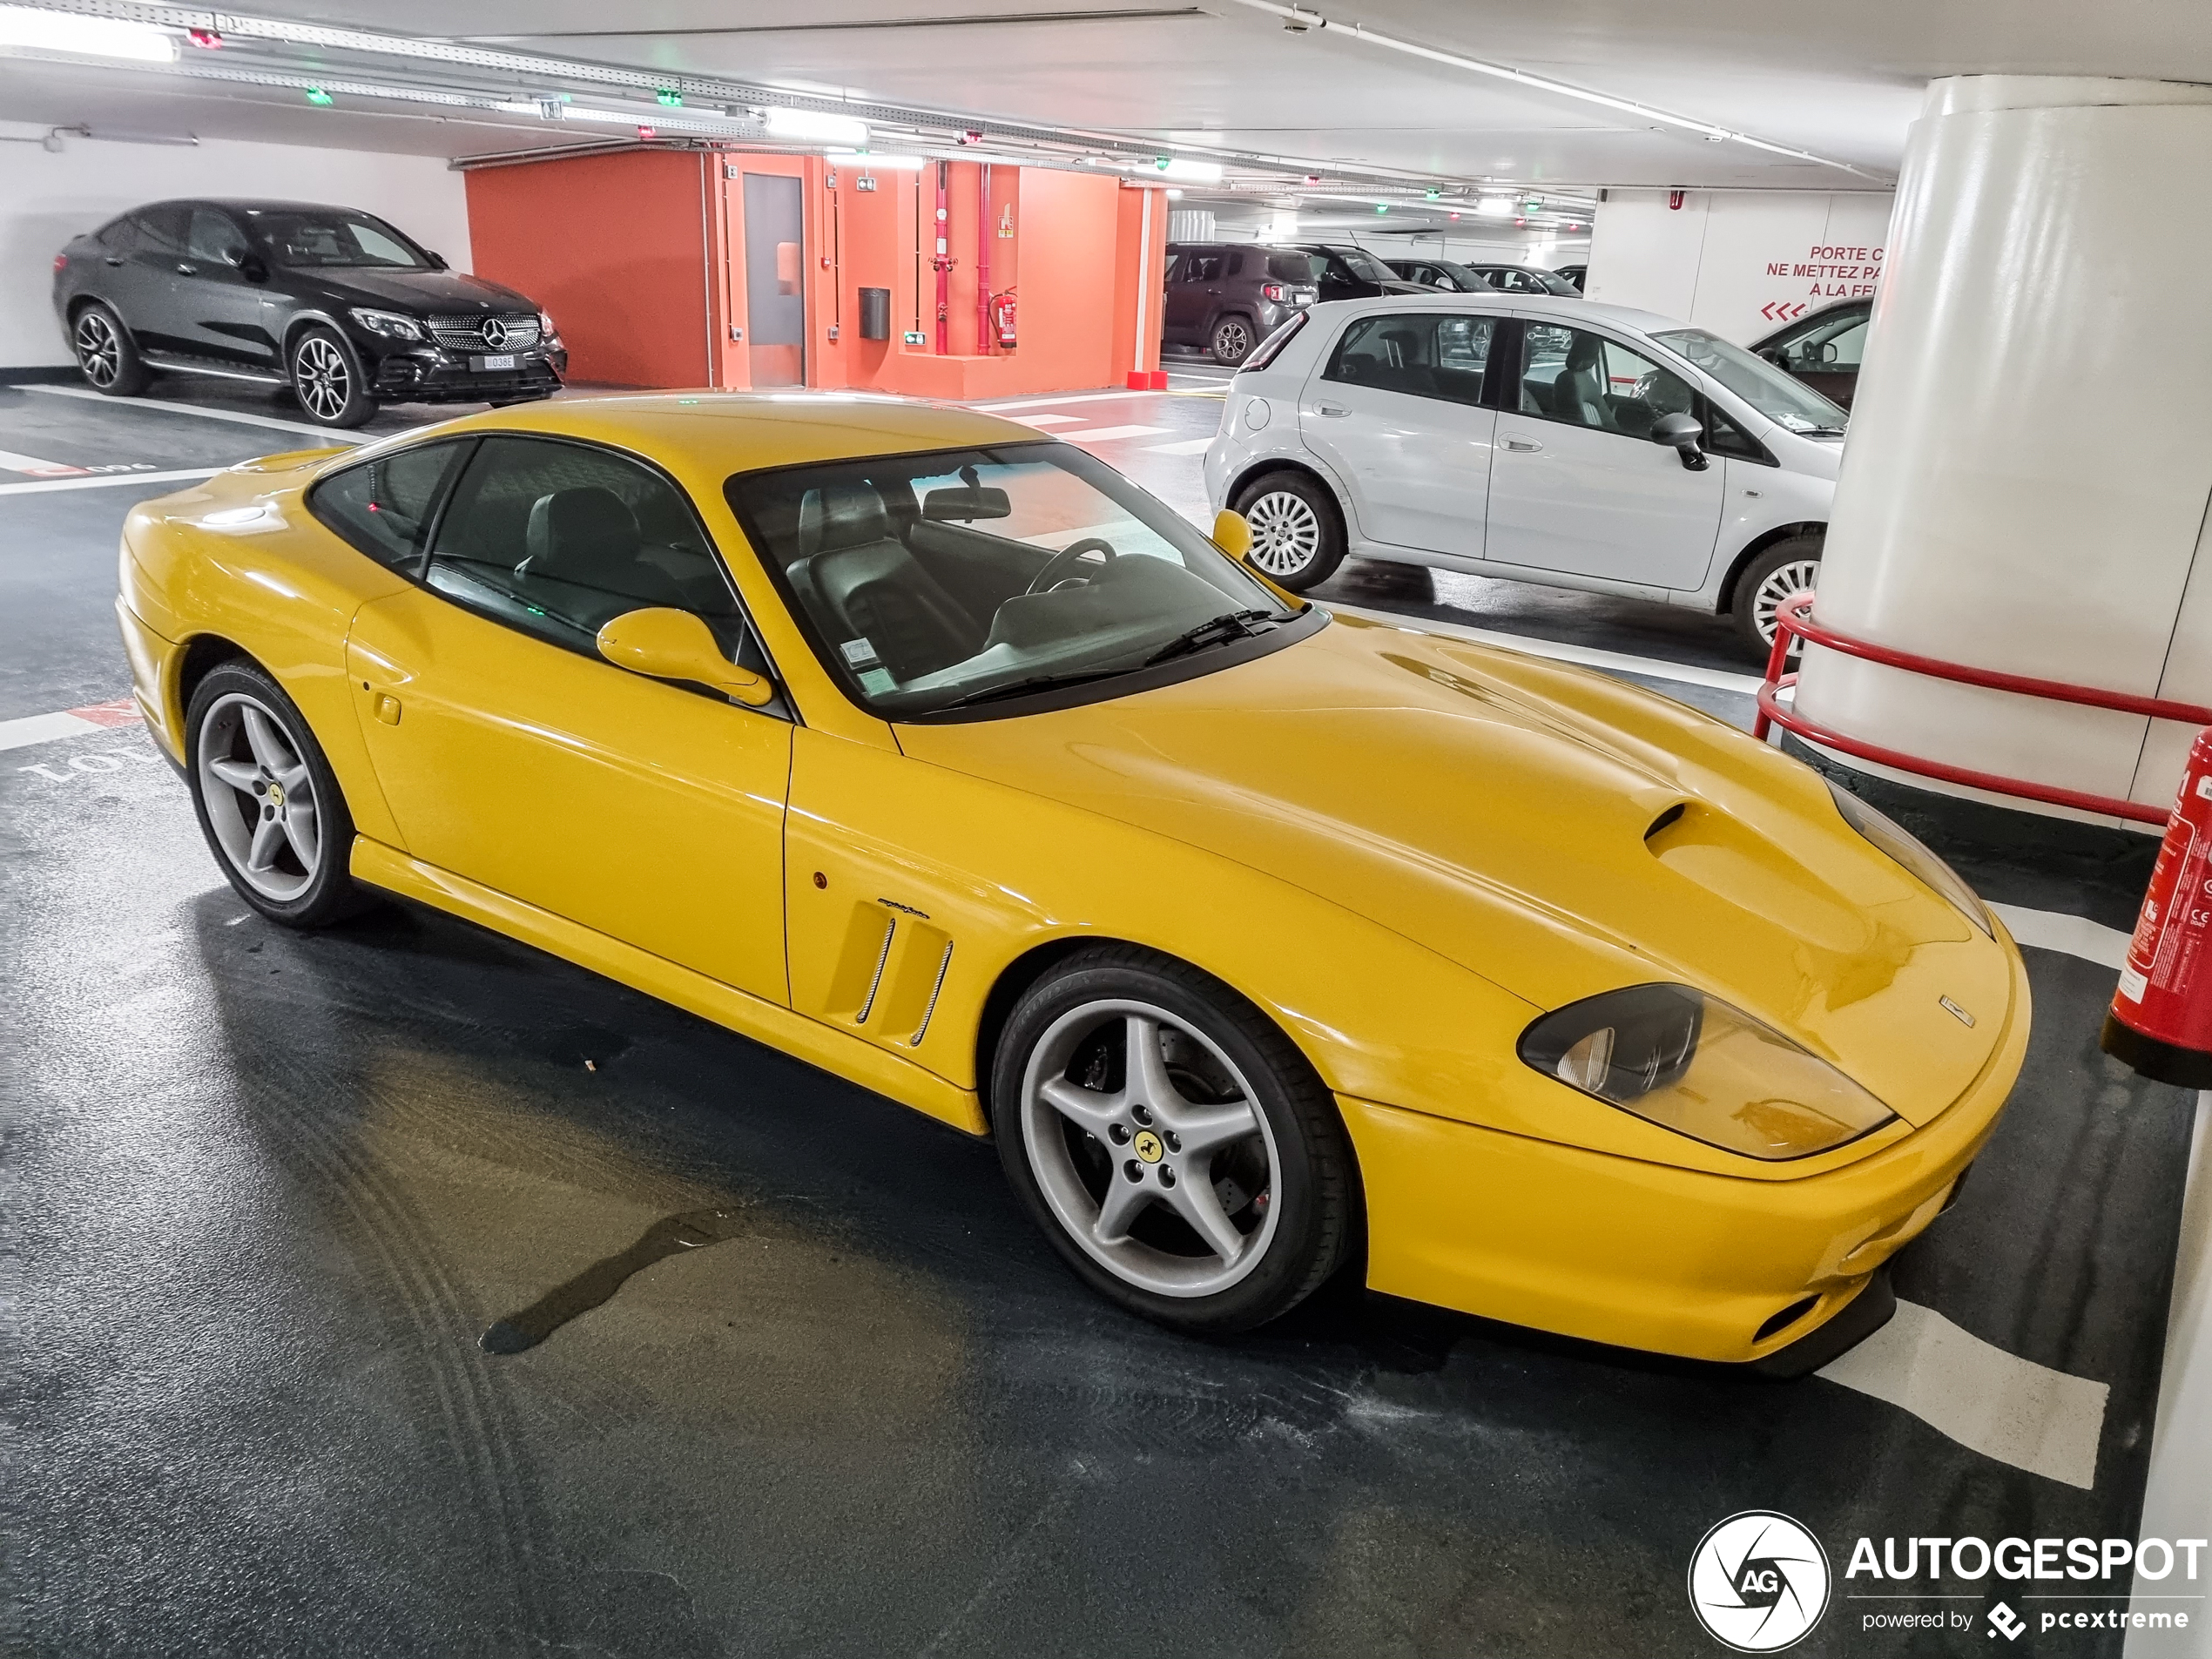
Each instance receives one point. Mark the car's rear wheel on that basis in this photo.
(1174, 1146)
(1233, 339)
(266, 799)
(1782, 572)
(328, 380)
(106, 356)
(1297, 536)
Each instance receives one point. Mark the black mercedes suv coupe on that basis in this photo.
(337, 305)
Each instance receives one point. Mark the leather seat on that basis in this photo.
(1579, 393)
(857, 579)
(588, 539)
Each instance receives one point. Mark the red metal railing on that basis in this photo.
(1793, 620)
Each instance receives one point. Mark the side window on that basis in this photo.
(213, 239)
(1724, 437)
(161, 231)
(558, 539)
(1236, 266)
(1829, 348)
(384, 507)
(1172, 269)
(1586, 380)
(1419, 355)
(1202, 267)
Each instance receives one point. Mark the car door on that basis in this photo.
(1826, 356)
(1399, 409)
(221, 315)
(511, 754)
(1191, 296)
(150, 303)
(1577, 485)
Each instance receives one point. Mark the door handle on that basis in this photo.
(1331, 410)
(111, 259)
(187, 270)
(1522, 446)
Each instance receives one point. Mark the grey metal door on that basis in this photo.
(775, 272)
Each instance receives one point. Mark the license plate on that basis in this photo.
(486, 365)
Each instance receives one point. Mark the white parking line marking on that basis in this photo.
(1042, 402)
(11, 461)
(1743, 684)
(1990, 1401)
(1108, 434)
(1187, 446)
(103, 479)
(2076, 935)
(237, 417)
(46, 728)
(1048, 420)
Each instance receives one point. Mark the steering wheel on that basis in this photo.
(1062, 564)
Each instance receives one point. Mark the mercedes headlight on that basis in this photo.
(1689, 1062)
(547, 333)
(1907, 849)
(390, 324)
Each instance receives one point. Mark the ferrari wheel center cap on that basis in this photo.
(276, 794)
(1147, 1146)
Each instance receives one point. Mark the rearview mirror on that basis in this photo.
(669, 644)
(1232, 533)
(1681, 433)
(437, 259)
(960, 504)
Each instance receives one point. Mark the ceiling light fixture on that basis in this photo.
(1544, 84)
(30, 29)
(813, 126)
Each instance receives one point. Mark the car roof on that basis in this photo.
(250, 205)
(1533, 305)
(713, 435)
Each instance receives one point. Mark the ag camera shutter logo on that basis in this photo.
(1758, 1581)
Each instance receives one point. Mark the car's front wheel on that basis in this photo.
(328, 380)
(1298, 536)
(1781, 573)
(106, 356)
(1233, 341)
(266, 799)
(1175, 1147)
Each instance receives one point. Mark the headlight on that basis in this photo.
(390, 324)
(1907, 850)
(546, 332)
(1689, 1063)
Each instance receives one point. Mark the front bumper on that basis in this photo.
(431, 374)
(1647, 1256)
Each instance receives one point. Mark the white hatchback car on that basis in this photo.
(1540, 440)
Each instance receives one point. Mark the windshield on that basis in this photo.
(924, 581)
(1789, 403)
(1364, 267)
(312, 239)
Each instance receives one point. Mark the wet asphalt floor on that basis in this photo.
(270, 1198)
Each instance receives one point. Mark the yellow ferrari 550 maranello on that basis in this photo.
(1264, 941)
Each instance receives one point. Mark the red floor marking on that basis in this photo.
(121, 711)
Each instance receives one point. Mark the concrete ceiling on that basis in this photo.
(1841, 81)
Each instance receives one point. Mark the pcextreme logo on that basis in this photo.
(1758, 1581)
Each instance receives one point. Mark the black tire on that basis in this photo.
(1290, 1176)
(328, 380)
(1233, 338)
(1298, 531)
(106, 356)
(1772, 577)
(291, 889)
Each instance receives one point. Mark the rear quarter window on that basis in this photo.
(385, 507)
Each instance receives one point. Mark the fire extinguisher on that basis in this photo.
(1002, 317)
(2161, 1021)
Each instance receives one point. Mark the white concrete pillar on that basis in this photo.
(2027, 482)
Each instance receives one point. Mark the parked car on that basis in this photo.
(937, 755)
(1823, 348)
(1229, 296)
(1447, 275)
(1534, 438)
(1573, 273)
(343, 308)
(1454, 278)
(1343, 271)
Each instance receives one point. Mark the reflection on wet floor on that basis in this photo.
(693, 1230)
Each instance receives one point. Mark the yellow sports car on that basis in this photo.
(1264, 942)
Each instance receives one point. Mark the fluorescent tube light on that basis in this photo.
(811, 126)
(28, 29)
(1191, 172)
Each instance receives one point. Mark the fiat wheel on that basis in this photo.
(1175, 1147)
(106, 356)
(1232, 340)
(267, 801)
(1297, 538)
(1781, 573)
(329, 381)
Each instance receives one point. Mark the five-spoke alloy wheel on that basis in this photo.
(105, 353)
(267, 802)
(327, 379)
(1176, 1148)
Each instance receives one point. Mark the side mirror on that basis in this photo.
(437, 259)
(668, 644)
(1681, 434)
(1232, 533)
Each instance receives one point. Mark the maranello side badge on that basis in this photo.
(1758, 1581)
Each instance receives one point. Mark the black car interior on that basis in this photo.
(1400, 353)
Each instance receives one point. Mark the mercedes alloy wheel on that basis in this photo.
(105, 354)
(328, 381)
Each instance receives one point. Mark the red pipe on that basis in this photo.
(944, 259)
(1792, 620)
(983, 259)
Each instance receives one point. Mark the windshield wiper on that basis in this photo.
(1220, 631)
(1035, 683)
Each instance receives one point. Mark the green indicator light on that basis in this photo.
(1161, 162)
(670, 99)
(316, 94)
(1382, 208)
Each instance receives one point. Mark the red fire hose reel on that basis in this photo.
(2161, 1021)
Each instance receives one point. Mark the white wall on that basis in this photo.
(46, 198)
(1738, 263)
